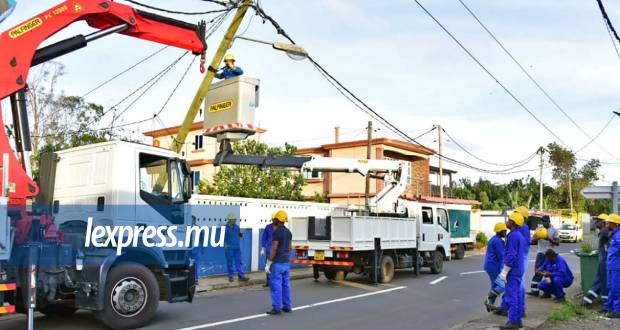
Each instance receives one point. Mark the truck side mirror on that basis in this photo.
(187, 187)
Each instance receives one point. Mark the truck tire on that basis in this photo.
(57, 310)
(131, 297)
(335, 275)
(437, 262)
(387, 269)
(460, 252)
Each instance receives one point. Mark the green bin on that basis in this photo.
(589, 266)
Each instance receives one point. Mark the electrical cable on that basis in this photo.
(593, 139)
(514, 97)
(363, 106)
(125, 71)
(611, 38)
(523, 161)
(175, 11)
(531, 78)
(607, 20)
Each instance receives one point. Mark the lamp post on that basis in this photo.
(293, 51)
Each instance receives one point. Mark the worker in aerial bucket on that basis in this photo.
(493, 262)
(230, 70)
(512, 273)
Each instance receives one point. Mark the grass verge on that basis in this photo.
(570, 311)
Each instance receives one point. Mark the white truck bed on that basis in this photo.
(357, 233)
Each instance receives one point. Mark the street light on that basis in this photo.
(293, 51)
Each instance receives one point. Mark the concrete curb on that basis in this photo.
(205, 287)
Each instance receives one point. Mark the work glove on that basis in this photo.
(268, 267)
(262, 252)
(504, 274)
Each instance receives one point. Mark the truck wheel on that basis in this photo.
(460, 252)
(387, 269)
(57, 310)
(131, 297)
(330, 274)
(437, 262)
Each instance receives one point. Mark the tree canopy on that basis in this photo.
(256, 182)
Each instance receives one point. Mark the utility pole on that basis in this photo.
(440, 149)
(225, 44)
(542, 164)
(570, 192)
(368, 156)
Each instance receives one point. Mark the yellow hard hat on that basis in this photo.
(613, 218)
(231, 216)
(525, 213)
(499, 227)
(541, 233)
(603, 216)
(229, 57)
(517, 218)
(281, 216)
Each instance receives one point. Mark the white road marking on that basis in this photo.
(255, 316)
(474, 272)
(438, 280)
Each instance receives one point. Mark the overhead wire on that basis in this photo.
(523, 161)
(593, 139)
(177, 12)
(357, 102)
(534, 81)
(484, 68)
(607, 20)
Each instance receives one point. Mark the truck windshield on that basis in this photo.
(160, 181)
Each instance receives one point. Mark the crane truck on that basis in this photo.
(46, 261)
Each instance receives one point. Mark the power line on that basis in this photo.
(176, 11)
(357, 102)
(523, 106)
(607, 20)
(593, 139)
(125, 71)
(611, 38)
(531, 78)
(523, 161)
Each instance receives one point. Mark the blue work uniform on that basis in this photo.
(513, 257)
(232, 250)
(265, 243)
(600, 281)
(280, 275)
(613, 273)
(227, 73)
(494, 260)
(525, 251)
(561, 277)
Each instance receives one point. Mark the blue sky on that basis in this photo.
(399, 61)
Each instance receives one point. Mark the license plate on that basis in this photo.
(319, 255)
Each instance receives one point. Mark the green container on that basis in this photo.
(589, 266)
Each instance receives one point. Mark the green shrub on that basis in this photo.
(482, 239)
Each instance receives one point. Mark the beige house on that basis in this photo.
(347, 188)
(198, 149)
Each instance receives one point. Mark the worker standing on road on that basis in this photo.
(525, 232)
(512, 273)
(265, 242)
(612, 307)
(230, 70)
(493, 262)
(278, 266)
(232, 249)
(555, 275)
(546, 238)
(599, 287)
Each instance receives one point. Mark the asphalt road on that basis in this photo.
(409, 302)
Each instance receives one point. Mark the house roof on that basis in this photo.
(435, 169)
(402, 145)
(197, 126)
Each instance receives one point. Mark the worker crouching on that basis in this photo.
(278, 266)
(556, 276)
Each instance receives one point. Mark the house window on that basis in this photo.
(196, 176)
(198, 142)
(313, 175)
